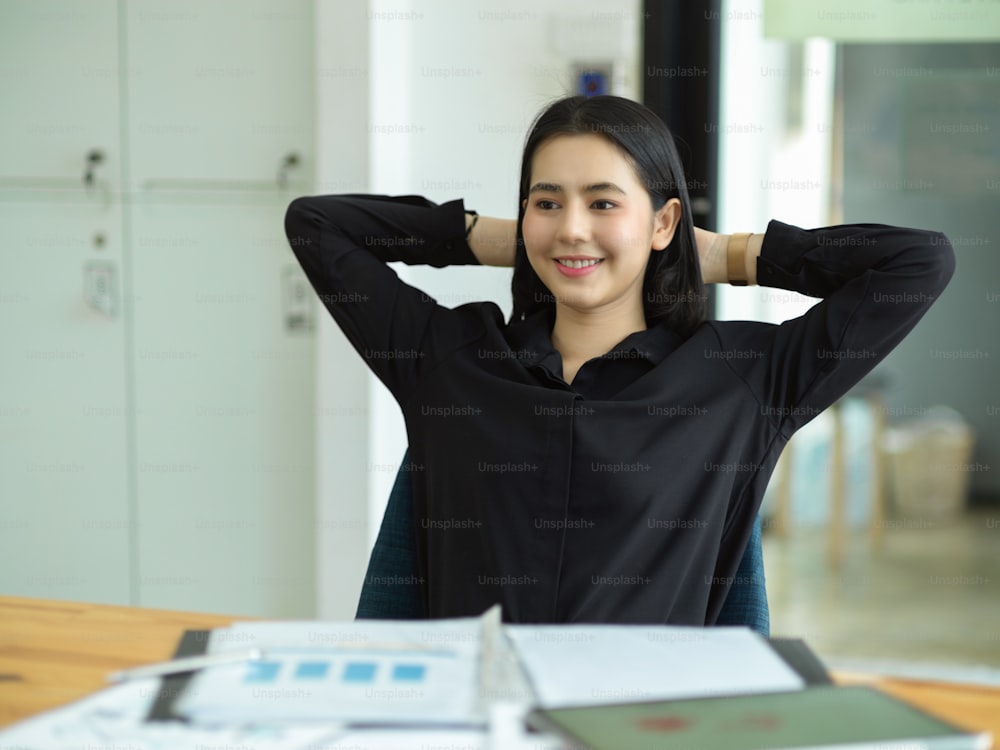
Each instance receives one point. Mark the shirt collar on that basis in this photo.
(531, 342)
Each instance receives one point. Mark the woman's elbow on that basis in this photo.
(943, 259)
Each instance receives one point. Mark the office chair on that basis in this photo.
(391, 589)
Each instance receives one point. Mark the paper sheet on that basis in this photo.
(593, 664)
(114, 718)
(365, 672)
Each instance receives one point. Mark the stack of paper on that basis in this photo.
(114, 719)
(415, 672)
(450, 671)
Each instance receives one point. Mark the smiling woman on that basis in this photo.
(589, 226)
(607, 449)
(622, 157)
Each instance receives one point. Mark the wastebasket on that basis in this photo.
(927, 464)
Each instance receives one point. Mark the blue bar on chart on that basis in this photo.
(359, 671)
(319, 670)
(262, 671)
(408, 672)
(312, 670)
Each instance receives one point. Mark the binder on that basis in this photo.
(793, 651)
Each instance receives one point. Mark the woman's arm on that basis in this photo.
(343, 243)
(875, 281)
(712, 255)
(493, 241)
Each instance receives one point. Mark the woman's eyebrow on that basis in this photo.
(597, 187)
(604, 187)
(545, 187)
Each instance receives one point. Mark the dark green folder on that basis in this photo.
(852, 717)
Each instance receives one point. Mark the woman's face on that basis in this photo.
(589, 225)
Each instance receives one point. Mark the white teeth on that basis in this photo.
(578, 263)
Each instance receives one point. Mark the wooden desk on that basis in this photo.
(53, 653)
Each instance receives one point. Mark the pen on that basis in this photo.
(186, 664)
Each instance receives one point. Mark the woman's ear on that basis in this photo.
(665, 223)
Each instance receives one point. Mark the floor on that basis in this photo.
(929, 596)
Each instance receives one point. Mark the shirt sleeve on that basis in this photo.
(876, 282)
(343, 242)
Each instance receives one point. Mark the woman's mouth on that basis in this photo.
(577, 266)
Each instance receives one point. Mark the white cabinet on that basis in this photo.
(220, 93)
(59, 92)
(65, 522)
(157, 373)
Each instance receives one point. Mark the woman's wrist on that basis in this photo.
(493, 241)
(711, 256)
(717, 251)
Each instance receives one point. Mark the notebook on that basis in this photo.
(854, 718)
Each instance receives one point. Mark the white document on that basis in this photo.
(414, 739)
(593, 664)
(364, 672)
(115, 718)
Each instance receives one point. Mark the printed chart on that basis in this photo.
(401, 676)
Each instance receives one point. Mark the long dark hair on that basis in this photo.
(673, 292)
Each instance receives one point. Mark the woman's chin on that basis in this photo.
(578, 304)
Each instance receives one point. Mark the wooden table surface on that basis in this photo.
(54, 652)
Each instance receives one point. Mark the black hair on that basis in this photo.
(673, 292)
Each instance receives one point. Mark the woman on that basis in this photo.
(602, 456)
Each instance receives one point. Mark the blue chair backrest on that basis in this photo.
(392, 591)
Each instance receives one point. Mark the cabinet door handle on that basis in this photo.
(95, 157)
(290, 161)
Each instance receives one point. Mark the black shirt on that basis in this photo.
(629, 495)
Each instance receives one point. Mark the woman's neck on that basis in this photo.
(579, 337)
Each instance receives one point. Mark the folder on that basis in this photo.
(845, 718)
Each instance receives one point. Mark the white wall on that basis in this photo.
(442, 110)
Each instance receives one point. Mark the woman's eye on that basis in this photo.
(603, 205)
(545, 205)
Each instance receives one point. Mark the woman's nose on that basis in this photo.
(574, 225)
